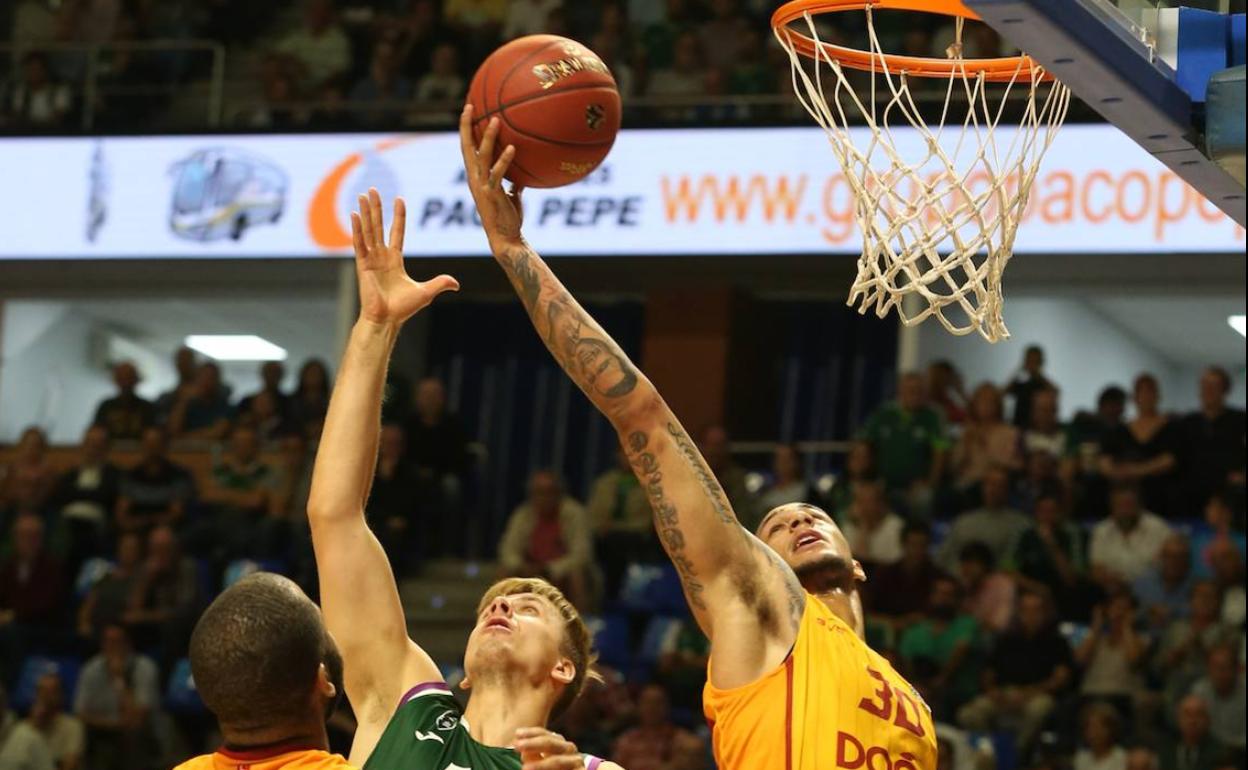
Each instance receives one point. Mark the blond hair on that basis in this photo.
(577, 643)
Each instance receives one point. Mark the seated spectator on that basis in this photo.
(311, 398)
(1220, 518)
(1163, 589)
(84, 499)
(1087, 433)
(987, 441)
(271, 375)
(994, 523)
(157, 490)
(549, 536)
(1100, 727)
(1044, 432)
(945, 392)
(620, 515)
(789, 482)
(1222, 689)
(945, 642)
(320, 49)
(1194, 747)
(655, 741)
(478, 22)
(22, 747)
(1142, 451)
(416, 33)
(750, 72)
(1141, 758)
(1029, 379)
(246, 509)
(1113, 654)
(32, 580)
(265, 415)
(38, 101)
(118, 691)
(27, 483)
(376, 98)
(63, 732)
(1028, 671)
(721, 34)
(277, 107)
(1040, 476)
(1228, 573)
(125, 415)
(443, 82)
(685, 73)
(909, 442)
(1211, 452)
(438, 444)
(393, 509)
(897, 593)
(859, 468)
(716, 449)
(1186, 640)
(607, 47)
(1050, 556)
(108, 600)
(1128, 541)
(186, 365)
(989, 593)
(203, 410)
(528, 17)
(165, 597)
(873, 531)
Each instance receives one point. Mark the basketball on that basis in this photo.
(556, 101)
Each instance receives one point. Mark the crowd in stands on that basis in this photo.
(387, 64)
(1063, 594)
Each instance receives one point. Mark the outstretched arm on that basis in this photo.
(358, 593)
(745, 599)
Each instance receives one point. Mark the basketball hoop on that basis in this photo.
(938, 216)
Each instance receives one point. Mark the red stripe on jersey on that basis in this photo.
(788, 713)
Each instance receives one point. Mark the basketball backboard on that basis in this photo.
(1171, 78)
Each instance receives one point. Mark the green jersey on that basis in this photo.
(428, 732)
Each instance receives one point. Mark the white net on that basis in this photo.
(938, 215)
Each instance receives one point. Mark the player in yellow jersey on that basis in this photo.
(792, 686)
(269, 671)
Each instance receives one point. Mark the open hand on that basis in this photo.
(387, 294)
(541, 749)
(500, 210)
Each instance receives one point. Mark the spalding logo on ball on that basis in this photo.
(556, 101)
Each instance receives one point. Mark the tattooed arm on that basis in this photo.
(744, 597)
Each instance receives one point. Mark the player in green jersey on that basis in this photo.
(529, 655)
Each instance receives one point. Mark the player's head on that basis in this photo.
(527, 629)
(264, 662)
(811, 543)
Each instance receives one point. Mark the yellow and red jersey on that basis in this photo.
(833, 703)
(277, 758)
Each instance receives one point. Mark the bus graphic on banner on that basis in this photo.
(219, 193)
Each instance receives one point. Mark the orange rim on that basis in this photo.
(998, 70)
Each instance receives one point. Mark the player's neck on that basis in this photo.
(845, 606)
(309, 736)
(496, 710)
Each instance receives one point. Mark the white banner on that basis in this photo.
(661, 192)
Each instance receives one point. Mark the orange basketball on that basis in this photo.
(556, 102)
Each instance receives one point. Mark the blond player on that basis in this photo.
(792, 686)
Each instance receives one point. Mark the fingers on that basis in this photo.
(357, 236)
(442, 283)
(499, 169)
(485, 153)
(399, 225)
(365, 218)
(544, 743)
(374, 208)
(466, 143)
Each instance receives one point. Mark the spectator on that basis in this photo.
(243, 492)
(1186, 641)
(1220, 518)
(620, 516)
(528, 17)
(28, 481)
(859, 469)
(63, 732)
(1194, 748)
(945, 642)
(987, 440)
(1044, 431)
(38, 101)
(994, 524)
(750, 72)
(1029, 379)
(1039, 478)
(108, 599)
(685, 73)
(271, 375)
(1112, 654)
(117, 693)
(157, 490)
(898, 593)
(721, 35)
(655, 741)
(1222, 688)
(1212, 442)
(203, 410)
(32, 582)
(443, 82)
(1128, 541)
(1228, 573)
(608, 49)
(85, 498)
(873, 531)
(165, 597)
(438, 444)
(945, 392)
(186, 365)
(477, 22)
(392, 509)
(1087, 434)
(125, 415)
(989, 593)
(311, 397)
(1049, 556)
(1100, 727)
(683, 659)
(716, 449)
(378, 98)
(549, 536)
(909, 442)
(416, 33)
(1143, 450)
(22, 747)
(1027, 672)
(320, 50)
(265, 416)
(789, 482)
(1163, 588)
(1140, 758)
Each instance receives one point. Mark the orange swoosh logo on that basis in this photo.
(323, 224)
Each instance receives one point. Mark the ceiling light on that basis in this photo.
(235, 347)
(1237, 323)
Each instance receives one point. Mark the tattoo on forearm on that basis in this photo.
(706, 479)
(666, 517)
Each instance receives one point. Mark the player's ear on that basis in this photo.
(465, 684)
(325, 683)
(860, 575)
(564, 671)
